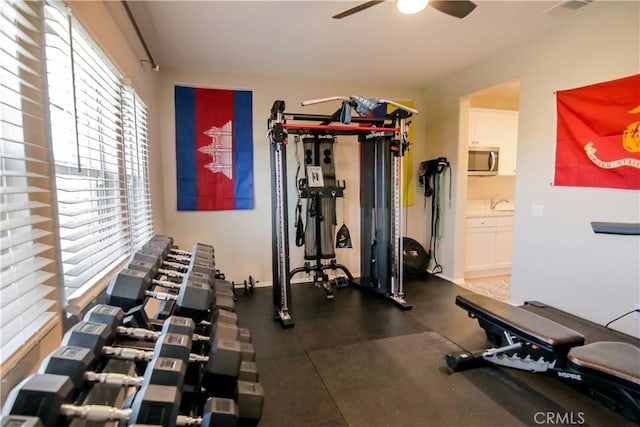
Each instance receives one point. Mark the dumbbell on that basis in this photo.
(49, 397)
(199, 250)
(222, 369)
(199, 254)
(129, 288)
(224, 321)
(155, 256)
(190, 276)
(77, 362)
(223, 292)
(114, 317)
(221, 365)
(167, 240)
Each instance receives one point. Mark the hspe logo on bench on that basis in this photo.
(569, 375)
(559, 418)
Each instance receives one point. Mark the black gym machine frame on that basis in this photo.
(383, 144)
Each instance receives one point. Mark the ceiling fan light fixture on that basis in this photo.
(411, 6)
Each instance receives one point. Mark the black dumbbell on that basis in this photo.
(223, 292)
(114, 317)
(223, 289)
(153, 270)
(77, 364)
(155, 257)
(203, 261)
(129, 288)
(199, 249)
(175, 278)
(199, 265)
(221, 366)
(192, 275)
(221, 319)
(49, 397)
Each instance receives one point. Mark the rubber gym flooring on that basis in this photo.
(361, 361)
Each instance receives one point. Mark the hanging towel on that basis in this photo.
(364, 105)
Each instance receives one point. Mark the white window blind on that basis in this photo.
(136, 157)
(100, 150)
(27, 254)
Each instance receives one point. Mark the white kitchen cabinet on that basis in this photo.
(496, 128)
(482, 127)
(488, 245)
(504, 237)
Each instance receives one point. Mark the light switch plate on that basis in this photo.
(536, 210)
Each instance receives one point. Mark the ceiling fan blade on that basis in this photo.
(356, 9)
(456, 8)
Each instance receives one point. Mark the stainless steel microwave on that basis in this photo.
(483, 161)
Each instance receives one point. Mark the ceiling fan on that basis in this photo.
(456, 8)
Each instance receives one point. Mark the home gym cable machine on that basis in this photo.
(383, 142)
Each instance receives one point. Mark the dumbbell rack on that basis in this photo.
(241, 394)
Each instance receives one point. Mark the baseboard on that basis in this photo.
(449, 278)
(492, 272)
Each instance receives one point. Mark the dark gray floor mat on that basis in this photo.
(397, 382)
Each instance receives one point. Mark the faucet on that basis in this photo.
(495, 201)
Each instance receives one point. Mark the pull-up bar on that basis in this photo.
(339, 128)
(347, 98)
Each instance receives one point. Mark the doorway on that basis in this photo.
(490, 199)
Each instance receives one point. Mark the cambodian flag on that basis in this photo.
(214, 149)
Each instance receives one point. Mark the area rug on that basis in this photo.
(496, 289)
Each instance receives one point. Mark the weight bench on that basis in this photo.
(610, 371)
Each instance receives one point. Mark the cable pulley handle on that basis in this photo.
(347, 98)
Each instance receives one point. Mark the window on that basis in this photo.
(27, 243)
(68, 220)
(136, 168)
(100, 150)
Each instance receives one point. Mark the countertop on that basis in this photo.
(479, 208)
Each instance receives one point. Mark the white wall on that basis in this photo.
(557, 259)
(242, 238)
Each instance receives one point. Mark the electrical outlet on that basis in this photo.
(636, 315)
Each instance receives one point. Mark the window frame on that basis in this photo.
(112, 195)
(132, 182)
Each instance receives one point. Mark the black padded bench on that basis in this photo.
(537, 344)
(525, 325)
(617, 362)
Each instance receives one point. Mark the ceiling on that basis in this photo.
(299, 39)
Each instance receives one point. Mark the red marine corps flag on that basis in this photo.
(598, 141)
